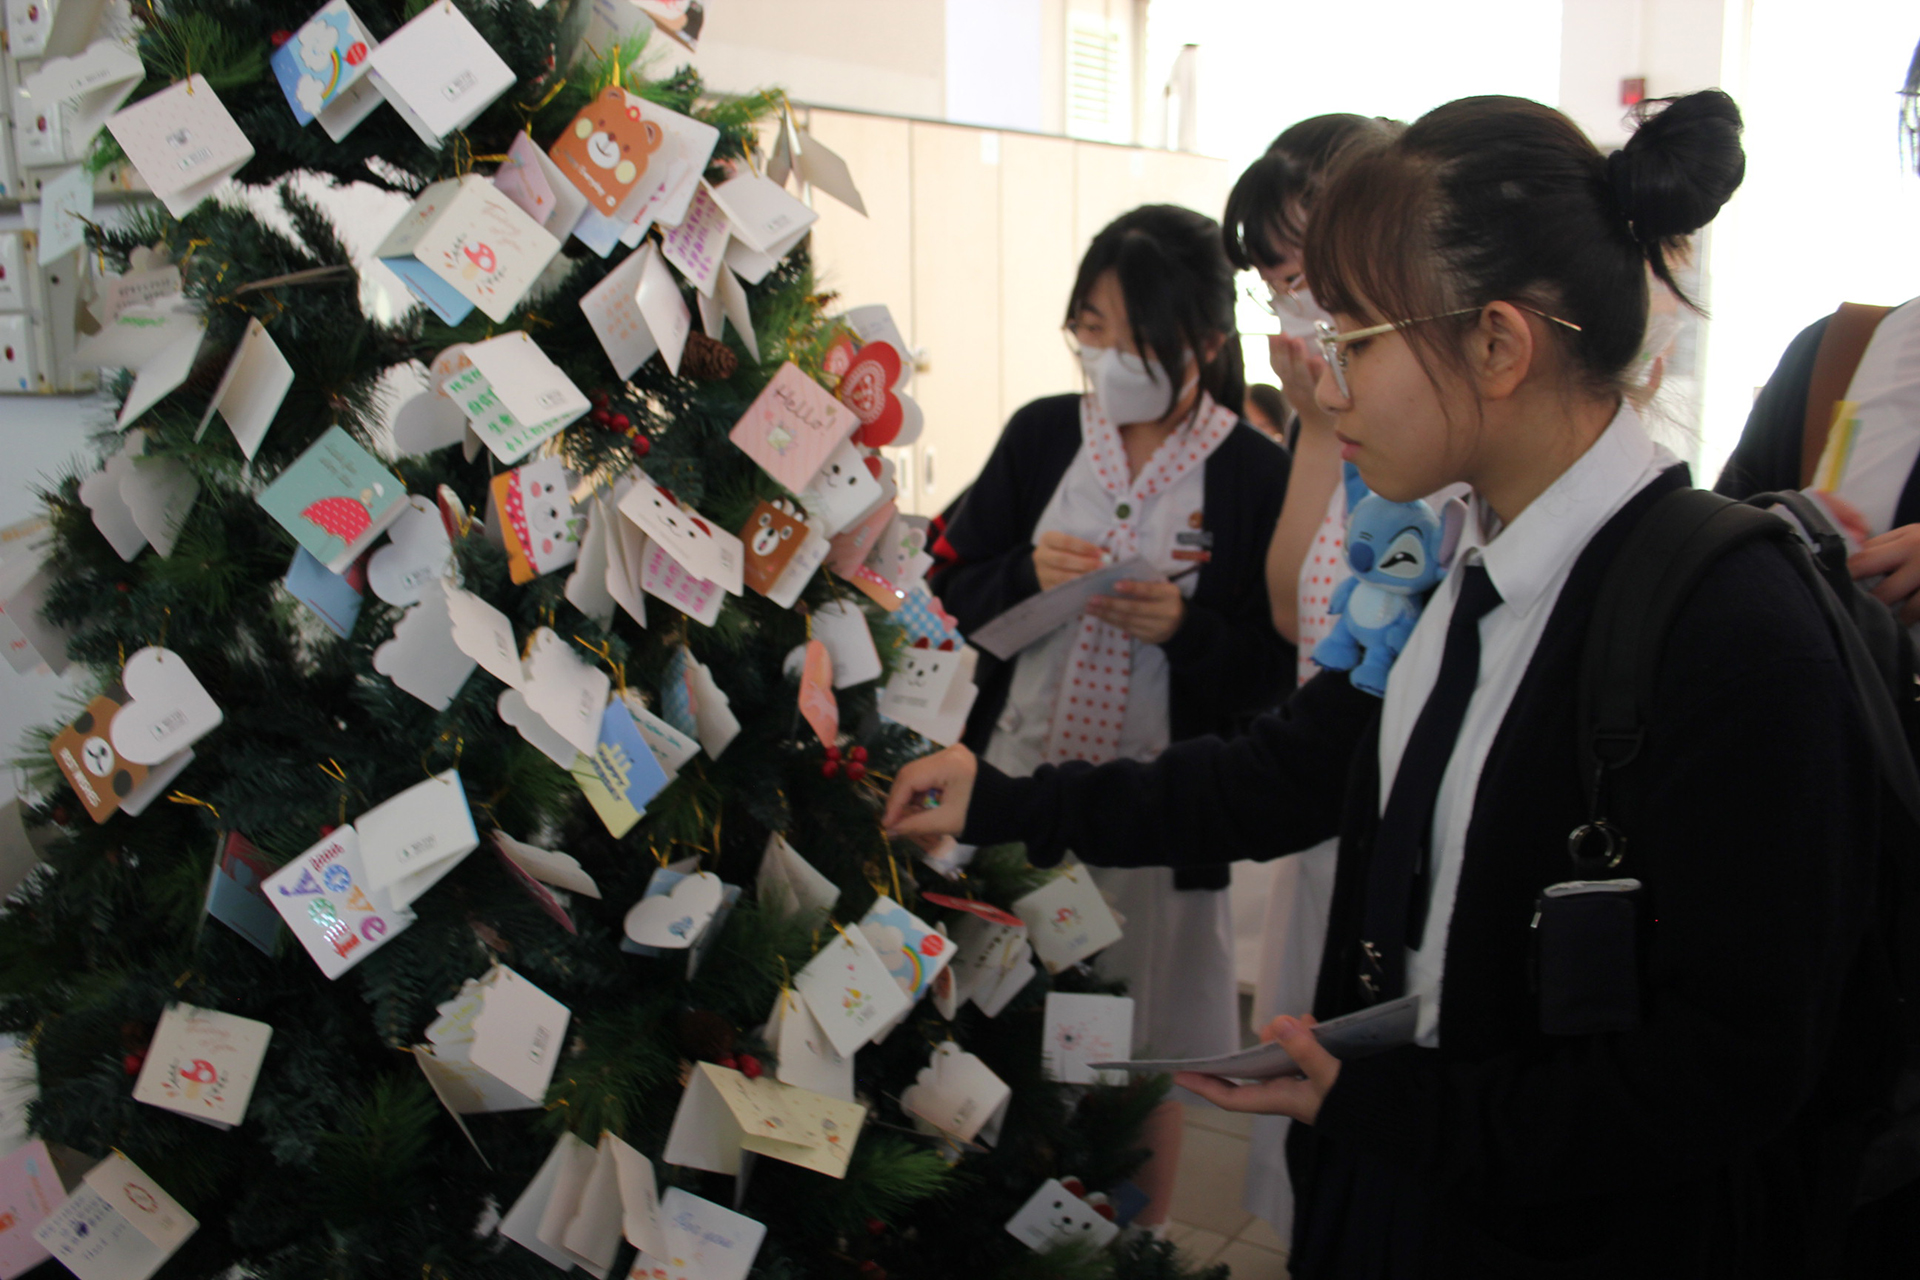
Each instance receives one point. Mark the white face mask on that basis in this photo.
(1297, 311)
(1126, 387)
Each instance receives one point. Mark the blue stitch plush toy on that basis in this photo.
(1398, 551)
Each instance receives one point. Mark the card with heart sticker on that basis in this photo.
(609, 148)
(417, 556)
(439, 72)
(236, 896)
(773, 535)
(956, 1093)
(621, 774)
(913, 951)
(702, 548)
(325, 898)
(845, 489)
(867, 388)
(850, 990)
(410, 841)
(792, 427)
(1067, 919)
(424, 657)
(537, 518)
(1084, 1029)
(335, 499)
(675, 910)
(119, 1224)
(817, 702)
(202, 1063)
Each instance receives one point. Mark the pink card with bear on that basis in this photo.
(793, 427)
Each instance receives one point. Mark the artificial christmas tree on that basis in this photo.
(392, 762)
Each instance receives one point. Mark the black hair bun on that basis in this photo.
(1679, 167)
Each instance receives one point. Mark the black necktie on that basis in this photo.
(1399, 876)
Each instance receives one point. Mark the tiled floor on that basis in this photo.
(1208, 1223)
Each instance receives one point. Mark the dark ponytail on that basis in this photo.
(1676, 171)
(1502, 199)
(1178, 288)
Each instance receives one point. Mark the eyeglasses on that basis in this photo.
(1333, 345)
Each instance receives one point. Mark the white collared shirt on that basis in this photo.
(1528, 562)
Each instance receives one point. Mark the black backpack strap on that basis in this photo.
(1650, 578)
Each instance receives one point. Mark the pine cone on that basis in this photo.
(708, 359)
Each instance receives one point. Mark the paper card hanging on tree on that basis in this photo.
(138, 500)
(682, 163)
(675, 910)
(438, 72)
(680, 20)
(183, 142)
(723, 1113)
(1054, 1217)
(712, 713)
(908, 697)
(806, 1058)
(166, 709)
(537, 517)
(534, 869)
(566, 689)
(902, 558)
(104, 781)
(671, 747)
(322, 70)
(1082, 1029)
(956, 1093)
(43, 28)
(424, 657)
(538, 1219)
(800, 570)
(411, 840)
(1067, 919)
(586, 586)
(514, 395)
(817, 702)
(203, 1063)
(761, 214)
(705, 549)
(626, 555)
(417, 556)
(324, 897)
(612, 308)
(143, 334)
(665, 578)
(68, 100)
(704, 1241)
(398, 253)
(790, 885)
(513, 710)
(994, 996)
(250, 392)
(773, 535)
(494, 1045)
(846, 488)
(236, 895)
(66, 206)
(335, 499)
(698, 243)
(607, 149)
(473, 240)
(30, 1190)
(985, 951)
(119, 1224)
(28, 639)
(483, 633)
(664, 310)
(536, 185)
(822, 168)
(913, 951)
(867, 389)
(170, 366)
(850, 990)
(853, 544)
(793, 427)
(621, 774)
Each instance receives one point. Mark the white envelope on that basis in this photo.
(251, 391)
(183, 141)
(439, 72)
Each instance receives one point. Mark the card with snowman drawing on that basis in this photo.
(203, 1063)
(537, 518)
(1084, 1029)
(850, 990)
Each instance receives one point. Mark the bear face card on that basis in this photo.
(537, 518)
(606, 150)
(774, 534)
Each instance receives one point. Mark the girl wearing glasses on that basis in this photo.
(1153, 462)
(1486, 275)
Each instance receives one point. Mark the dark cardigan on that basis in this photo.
(1225, 663)
(1714, 1140)
(1768, 455)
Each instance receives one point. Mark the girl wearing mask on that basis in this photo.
(1153, 461)
(1486, 273)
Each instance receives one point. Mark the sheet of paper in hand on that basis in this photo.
(1360, 1034)
(1041, 615)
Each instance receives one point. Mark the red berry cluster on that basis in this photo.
(605, 418)
(745, 1063)
(853, 765)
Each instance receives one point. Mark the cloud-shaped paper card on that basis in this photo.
(955, 1092)
(569, 692)
(416, 556)
(422, 657)
(483, 633)
(675, 919)
(167, 708)
(427, 422)
(513, 709)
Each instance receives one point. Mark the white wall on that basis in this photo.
(866, 56)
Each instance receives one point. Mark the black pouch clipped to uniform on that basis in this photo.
(1585, 952)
